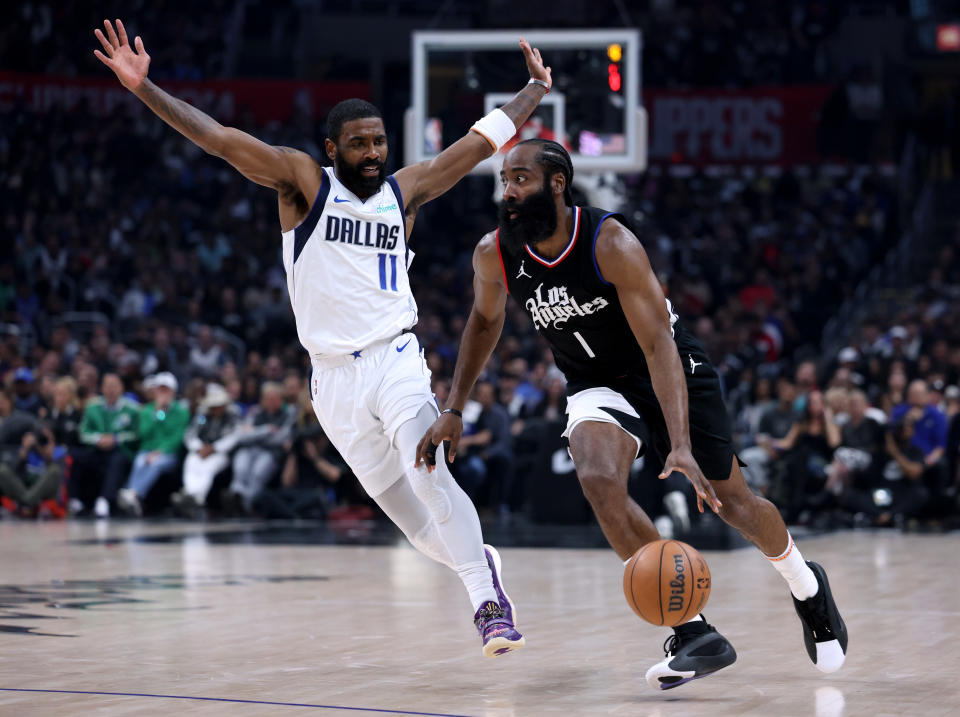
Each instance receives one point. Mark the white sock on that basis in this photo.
(476, 579)
(791, 565)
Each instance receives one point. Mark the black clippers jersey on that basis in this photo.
(574, 308)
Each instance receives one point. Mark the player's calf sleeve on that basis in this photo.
(429, 542)
(429, 486)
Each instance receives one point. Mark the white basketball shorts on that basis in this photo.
(606, 406)
(361, 405)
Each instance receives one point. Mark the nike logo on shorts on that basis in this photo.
(338, 200)
(401, 348)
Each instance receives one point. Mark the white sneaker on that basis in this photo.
(101, 508)
(74, 506)
(129, 502)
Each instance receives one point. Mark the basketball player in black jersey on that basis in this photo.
(586, 283)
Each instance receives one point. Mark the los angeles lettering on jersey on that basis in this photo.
(558, 307)
(573, 307)
(375, 235)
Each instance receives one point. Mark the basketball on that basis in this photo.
(666, 582)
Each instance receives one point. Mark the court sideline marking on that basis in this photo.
(227, 699)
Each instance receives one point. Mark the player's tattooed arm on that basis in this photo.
(275, 167)
(480, 337)
(425, 181)
(523, 104)
(622, 261)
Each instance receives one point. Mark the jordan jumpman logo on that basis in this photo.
(693, 364)
(522, 272)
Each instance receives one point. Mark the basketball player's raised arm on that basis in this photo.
(422, 182)
(276, 167)
(480, 336)
(622, 261)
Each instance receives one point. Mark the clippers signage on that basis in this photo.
(226, 100)
(767, 125)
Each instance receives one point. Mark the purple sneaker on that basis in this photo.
(496, 569)
(498, 633)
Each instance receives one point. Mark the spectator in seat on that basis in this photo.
(808, 449)
(553, 406)
(489, 464)
(27, 398)
(861, 442)
(64, 423)
(896, 389)
(293, 388)
(952, 398)
(162, 356)
(211, 437)
(311, 482)
(774, 424)
(30, 465)
(108, 432)
(160, 428)
(930, 425)
(65, 415)
(206, 356)
(805, 378)
(261, 442)
(34, 473)
(898, 492)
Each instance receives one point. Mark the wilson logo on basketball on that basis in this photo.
(666, 582)
(678, 586)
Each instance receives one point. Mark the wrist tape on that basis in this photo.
(496, 128)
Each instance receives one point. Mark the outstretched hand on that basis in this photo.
(447, 427)
(682, 461)
(535, 64)
(128, 64)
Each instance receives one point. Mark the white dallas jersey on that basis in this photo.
(346, 267)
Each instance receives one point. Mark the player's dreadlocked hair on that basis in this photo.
(554, 158)
(344, 112)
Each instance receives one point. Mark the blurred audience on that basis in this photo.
(119, 286)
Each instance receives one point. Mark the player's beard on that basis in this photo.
(535, 221)
(353, 178)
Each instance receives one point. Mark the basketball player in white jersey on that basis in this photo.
(345, 252)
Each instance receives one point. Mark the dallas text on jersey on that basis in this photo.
(348, 231)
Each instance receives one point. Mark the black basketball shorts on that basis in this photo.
(710, 436)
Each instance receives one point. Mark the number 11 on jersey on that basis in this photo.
(393, 272)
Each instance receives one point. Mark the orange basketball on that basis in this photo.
(666, 582)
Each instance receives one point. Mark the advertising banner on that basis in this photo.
(763, 125)
(226, 100)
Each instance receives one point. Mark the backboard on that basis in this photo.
(593, 109)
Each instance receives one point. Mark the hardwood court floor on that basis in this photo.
(194, 626)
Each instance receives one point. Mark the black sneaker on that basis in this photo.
(824, 633)
(694, 650)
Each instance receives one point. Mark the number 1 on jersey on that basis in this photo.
(586, 346)
(393, 271)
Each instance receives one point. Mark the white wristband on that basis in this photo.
(496, 128)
